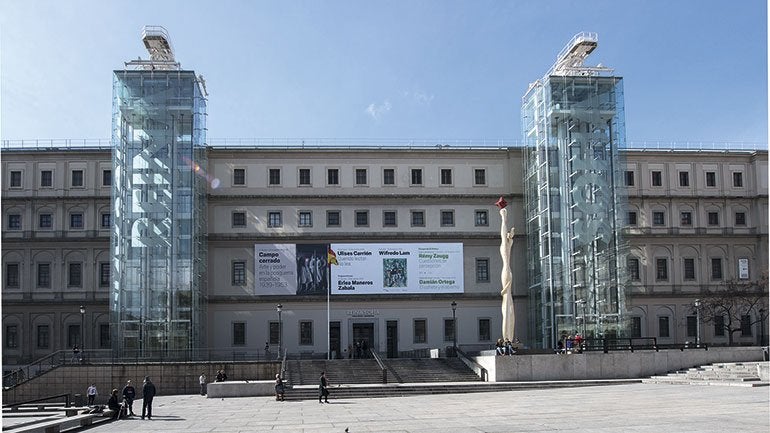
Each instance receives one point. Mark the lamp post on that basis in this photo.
(761, 326)
(454, 328)
(82, 331)
(697, 323)
(279, 308)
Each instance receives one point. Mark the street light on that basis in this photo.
(697, 323)
(761, 326)
(454, 328)
(82, 331)
(278, 308)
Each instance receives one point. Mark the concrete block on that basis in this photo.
(240, 389)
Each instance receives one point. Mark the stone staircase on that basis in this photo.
(420, 370)
(749, 374)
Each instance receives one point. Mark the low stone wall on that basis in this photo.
(241, 388)
(613, 365)
(169, 378)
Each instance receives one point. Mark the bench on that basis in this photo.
(59, 424)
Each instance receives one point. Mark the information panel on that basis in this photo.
(362, 269)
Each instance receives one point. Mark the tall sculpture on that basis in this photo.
(506, 277)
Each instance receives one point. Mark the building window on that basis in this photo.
(15, 181)
(416, 176)
(632, 218)
(73, 335)
(274, 332)
(362, 218)
(239, 333)
(745, 325)
(46, 221)
(661, 269)
(684, 178)
(692, 326)
(719, 326)
(305, 333)
(482, 270)
(713, 218)
(304, 177)
(75, 278)
(484, 330)
(76, 220)
(274, 219)
(446, 176)
(44, 275)
(361, 176)
(420, 331)
(716, 268)
(12, 275)
(333, 218)
(657, 178)
(658, 218)
(636, 327)
(238, 273)
(332, 176)
(106, 177)
(239, 219)
(77, 178)
(14, 222)
(418, 218)
(104, 336)
(447, 218)
(11, 337)
(632, 267)
(689, 269)
(389, 218)
(629, 178)
(106, 220)
(738, 179)
(104, 274)
(305, 218)
(274, 176)
(740, 218)
(46, 179)
(663, 327)
(449, 329)
(43, 336)
(711, 179)
(479, 176)
(482, 218)
(388, 176)
(685, 218)
(239, 176)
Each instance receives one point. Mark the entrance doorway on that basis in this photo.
(392, 333)
(334, 339)
(363, 339)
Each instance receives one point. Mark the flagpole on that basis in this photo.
(328, 310)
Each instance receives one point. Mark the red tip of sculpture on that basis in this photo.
(501, 203)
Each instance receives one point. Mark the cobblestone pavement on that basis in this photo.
(619, 408)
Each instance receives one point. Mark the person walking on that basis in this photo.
(129, 394)
(91, 392)
(148, 393)
(75, 353)
(280, 388)
(202, 381)
(323, 391)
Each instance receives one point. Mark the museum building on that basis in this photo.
(165, 244)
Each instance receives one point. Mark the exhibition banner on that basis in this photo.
(397, 268)
(275, 269)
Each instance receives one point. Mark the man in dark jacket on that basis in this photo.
(129, 394)
(114, 404)
(148, 393)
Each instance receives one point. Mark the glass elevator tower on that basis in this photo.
(573, 125)
(157, 300)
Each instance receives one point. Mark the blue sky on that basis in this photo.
(694, 70)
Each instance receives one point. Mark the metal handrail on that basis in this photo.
(67, 400)
(384, 369)
(484, 374)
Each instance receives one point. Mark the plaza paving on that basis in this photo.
(618, 408)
